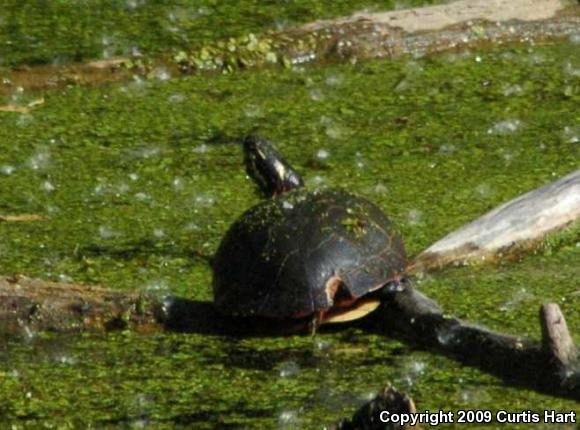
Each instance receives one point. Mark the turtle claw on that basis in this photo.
(315, 323)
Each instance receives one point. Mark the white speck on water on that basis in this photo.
(40, 159)
(100, 189)
(287, 369)
(403, 85)
(417, 367)
(204, 200)
(317, 95)
(447, 148)
(176, 98)
(478, 59)
(167, 303)
(536, 58)
(572, 69)
(137, 84)
(191, 226)
(508, 156)
(414, 370)
(575, 38)
(287, 205)
(122, 188)
(66, 359)
(146, 152)
(142, 196)
(335, 131)
(24, 120)
(156, 286)
(380, 188)
(415, 216)
(162, 74)
(453, 57)
(28, 395)
(518, 297)
(281, 24)
(446, 336)
(47, 186)
(106, 232)
(253, 111)
(158, 233)
(287, 419)
(139, 423)
(513, 90)
(483, 190)
(15, 374)
(133, 176)
(322, 345)
(316, 180)
(7, 169)
(28, 332)
(177, 183)
(52, 209)
(322, 154)
(201, 149)
(571, 134)
(65, 279)
(334, 79)
(505, 127)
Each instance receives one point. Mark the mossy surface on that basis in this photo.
(139, 182)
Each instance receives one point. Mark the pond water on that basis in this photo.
(137, 183)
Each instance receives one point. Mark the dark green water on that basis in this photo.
(139, 181)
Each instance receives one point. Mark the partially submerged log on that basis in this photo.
(511, 227)
(459, 25)
(551, 366)
(430, 18)
(31, 305)
(21, 217)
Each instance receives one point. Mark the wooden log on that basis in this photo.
(512, 227)
(551, 366)
(557, 342)
(30, 305)
(459, 25)
(432, 18)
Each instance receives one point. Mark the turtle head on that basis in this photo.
(273, 174)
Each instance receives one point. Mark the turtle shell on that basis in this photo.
(281, 257)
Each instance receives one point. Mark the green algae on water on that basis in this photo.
(138, 183)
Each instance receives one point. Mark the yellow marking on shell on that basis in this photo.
(280, 169)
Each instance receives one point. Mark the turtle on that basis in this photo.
(320, 256)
